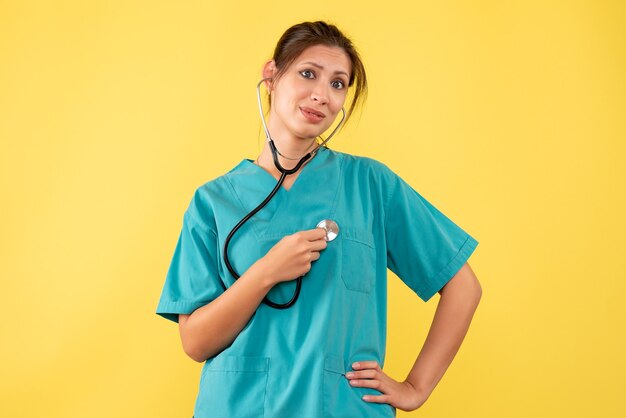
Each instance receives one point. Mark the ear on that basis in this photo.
(269, 70)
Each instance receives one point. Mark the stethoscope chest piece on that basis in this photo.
(331, 228)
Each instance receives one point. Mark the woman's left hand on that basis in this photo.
(401, 395)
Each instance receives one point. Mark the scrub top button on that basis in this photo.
(331, 228)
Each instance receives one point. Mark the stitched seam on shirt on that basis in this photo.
(465, 248)
(386, 205)
(340, 185)
(452, 260)
(267, 378)
(200, 224)
(243, 207)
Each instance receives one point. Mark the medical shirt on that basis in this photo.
(289, 363)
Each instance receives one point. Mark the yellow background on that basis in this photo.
(508, 116)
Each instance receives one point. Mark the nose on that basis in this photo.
(320, 93)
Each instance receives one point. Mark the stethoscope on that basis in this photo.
(330, 226)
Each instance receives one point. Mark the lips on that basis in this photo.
(312, 111)
(312, 115)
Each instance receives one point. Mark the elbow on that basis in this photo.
(197, 353)
(190, 349)
(194, 354)
(188, 338)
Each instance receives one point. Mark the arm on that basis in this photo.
(459, 299)
(458, 302)
(211, 328)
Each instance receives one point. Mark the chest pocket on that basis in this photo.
(358, 259)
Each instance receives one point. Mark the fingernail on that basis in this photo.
(355, 365)
(349, 375)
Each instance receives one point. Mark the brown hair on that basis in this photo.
(306, 34)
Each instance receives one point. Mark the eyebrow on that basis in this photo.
(321, 68)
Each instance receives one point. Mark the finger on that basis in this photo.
(318, 245)
(377, 398)
(367, 383)
(365, 365)
(314, 234)
(320, 233)
(363, 374)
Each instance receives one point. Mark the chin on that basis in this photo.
(313, 136)
(309, 134)
(314, 133)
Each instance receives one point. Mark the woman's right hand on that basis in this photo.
(211, 328)
(291, 257)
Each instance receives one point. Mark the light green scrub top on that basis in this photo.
(288, 363)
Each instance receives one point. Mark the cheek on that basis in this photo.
(300, 92)
(292, 95)
(282, 104)
(337, 102)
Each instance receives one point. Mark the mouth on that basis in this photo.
(312, 115)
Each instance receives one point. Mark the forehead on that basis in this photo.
(332, 58)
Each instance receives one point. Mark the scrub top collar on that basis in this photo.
(311, 198)
(249, 166)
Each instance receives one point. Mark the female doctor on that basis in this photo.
(324, 354)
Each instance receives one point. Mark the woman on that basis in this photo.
(322, 355)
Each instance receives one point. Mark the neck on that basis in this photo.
(287, 144)
(266, 159)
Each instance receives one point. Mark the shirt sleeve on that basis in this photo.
(192, 279)
(425, 249)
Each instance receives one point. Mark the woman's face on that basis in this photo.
(308, 96)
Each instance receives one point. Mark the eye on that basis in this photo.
(305, 72)
(338, 84)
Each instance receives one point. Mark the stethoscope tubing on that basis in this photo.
(266, 300)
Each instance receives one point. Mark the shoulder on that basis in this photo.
(367, 168)
(363, 164)
(205, 197)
